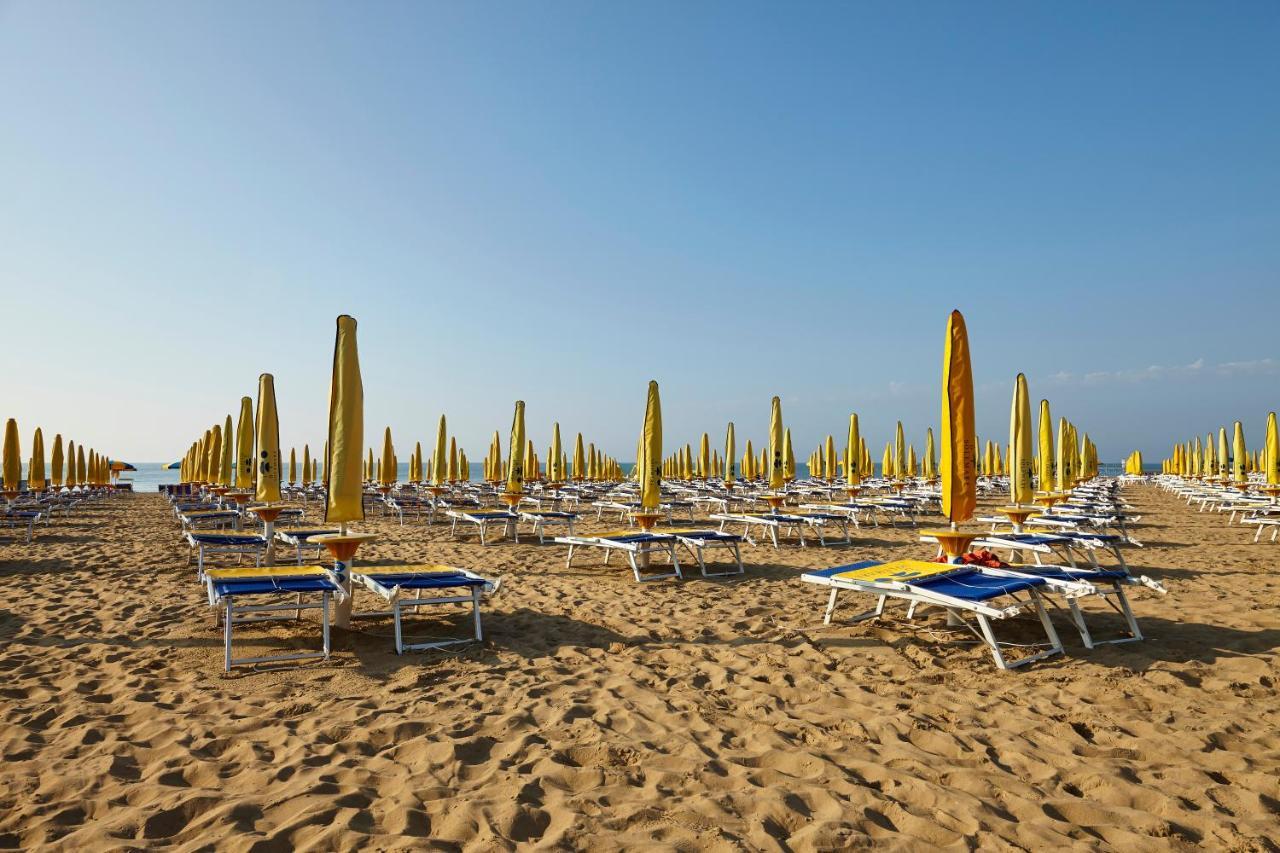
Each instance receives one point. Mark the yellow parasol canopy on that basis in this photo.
(345, 499)
(267, 435)
(245, 468)
(651, 470)
(959, 481)
(56, 462)
(1020, 491)
(515, 465)
(853, 453)
(12, 456)
(388, 459)
(440, 459)
(729, 451)
(777, 466)
(227, 463)
(308, 472)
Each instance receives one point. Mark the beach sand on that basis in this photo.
(601, 713)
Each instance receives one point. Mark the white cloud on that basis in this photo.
(1156, 372)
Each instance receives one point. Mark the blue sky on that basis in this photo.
(556, 202)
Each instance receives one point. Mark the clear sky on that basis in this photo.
(559, 201)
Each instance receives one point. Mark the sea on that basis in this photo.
(151, 475)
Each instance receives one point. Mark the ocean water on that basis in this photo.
(150, 475)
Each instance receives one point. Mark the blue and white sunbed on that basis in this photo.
(409, 588)
(227, 588)
(482, 519)
(774, 523)
(960, 590)
(300, 537)
(205, 543)
(541, 518)
(640, 548)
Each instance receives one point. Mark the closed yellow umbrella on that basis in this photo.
(1238, 454)
(829, 461)
(388, 460)
(1224, 454)
(1271, 459)
(1048, 465)
(1066, 450)
(267, 436)
(1020, 490)
(344, 498)
(556, 472)
(930, 455)
(35, 472)
(788, 457)
(729, 451)
(453, 459)
(82, 467)
(704, 457)
(344, 501)
(440, 458)
(911, 460)
(886, 462)
(245, 467)
(899, 453)
(56, 462)
(749, 462)
(307, 472)
(959, 485)
(579, 460)
(515, 466)
(464, 467)
(227, 463)
(293, 465)
(777, 464)
(72, 480)
(651, 470)
(853, 451)
(591, 461)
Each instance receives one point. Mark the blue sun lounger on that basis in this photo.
(482, 518)
(639, 547)
(227, 587)
(206, 543)
(407, 587)
(20, 518)
(960, 590)
(541, 518)
(299, 538)
(698, 541)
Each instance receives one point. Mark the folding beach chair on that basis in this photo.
(482, 519)
(697, 542)
(408, 588)
(639, 547)
(228, 586)
(207, 543)
(960, 590)
(541, 518)
(300, 537)
(20, 518)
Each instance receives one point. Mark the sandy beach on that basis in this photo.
(605, 714)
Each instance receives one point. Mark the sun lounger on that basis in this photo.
(774, 523)
(698, 541)
(482, 519)
(639, 547)
(409, 588)
(541, 518)
(226, 586)
(209, 519)
(960, 590)
(205, 543)
(299, 538)
(20, 518)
